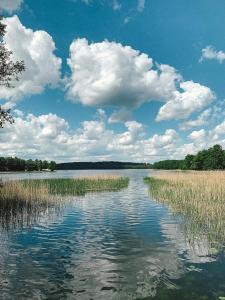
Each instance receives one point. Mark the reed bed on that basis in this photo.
(21, 190)
(23, 202)
(41, 189)
(78, 185)
(198, 195)
(21, 206)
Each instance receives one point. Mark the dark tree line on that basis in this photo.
(17, 164)
(101, 165)
(9, 72)
(210, 159)
(168, 164)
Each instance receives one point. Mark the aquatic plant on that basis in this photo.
(23, 202)
(78, 185)
(20, 206)
(41, 189)
(197, 195)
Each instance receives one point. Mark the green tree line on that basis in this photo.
(18, 164)
(210, 159)
(101, 165)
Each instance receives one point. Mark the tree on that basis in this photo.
(168, 164)
(18, 164)
(5, 117)
(30, 165)
(52, 166)
(199, 160)
(45, 164)
(9, 72)
(216, 158)
(188, 162)
(210, 159)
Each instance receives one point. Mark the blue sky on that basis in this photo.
(104, 111)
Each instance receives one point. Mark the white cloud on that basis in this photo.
(127, 19)
(161, 146)
(133, 12)
(87, 2)
(212, 115)
(101, 115)
(18, 113)
(123, 115)
(203, 139)
(200, 139)
(116, 5)
(36, 48)
(50, 137)
(220, 129)
(141, 5)
(129, 137)
(198, 135)
(194, 97)
(10, 6)
(211, 53)
(199, 121)
(169, 137)
(109, 73)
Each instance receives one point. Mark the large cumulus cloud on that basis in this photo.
(192, 97)
(111, 74)
(108, 73)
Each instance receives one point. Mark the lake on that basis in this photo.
(108, 245)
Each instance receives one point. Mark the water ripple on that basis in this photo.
(110, 245)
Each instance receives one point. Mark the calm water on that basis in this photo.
(109, 245)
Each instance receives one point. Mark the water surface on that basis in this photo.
(108, 245)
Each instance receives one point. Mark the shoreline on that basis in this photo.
(15, 172)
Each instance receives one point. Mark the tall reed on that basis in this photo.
(78, 185)
(198, 195)
(21, 206)
(22, 202)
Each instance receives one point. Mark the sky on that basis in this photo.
(128, 80)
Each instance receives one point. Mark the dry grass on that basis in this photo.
(16, 190)
(21, 206)
(41, 189)
(22, 202)
(199, 195)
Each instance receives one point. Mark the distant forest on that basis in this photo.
(102, 165)
(210, 159)
(17, 164)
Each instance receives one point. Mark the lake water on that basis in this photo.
(108, 245)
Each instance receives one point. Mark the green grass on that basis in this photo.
(78, 186)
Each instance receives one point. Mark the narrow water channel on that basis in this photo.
(108, 245)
